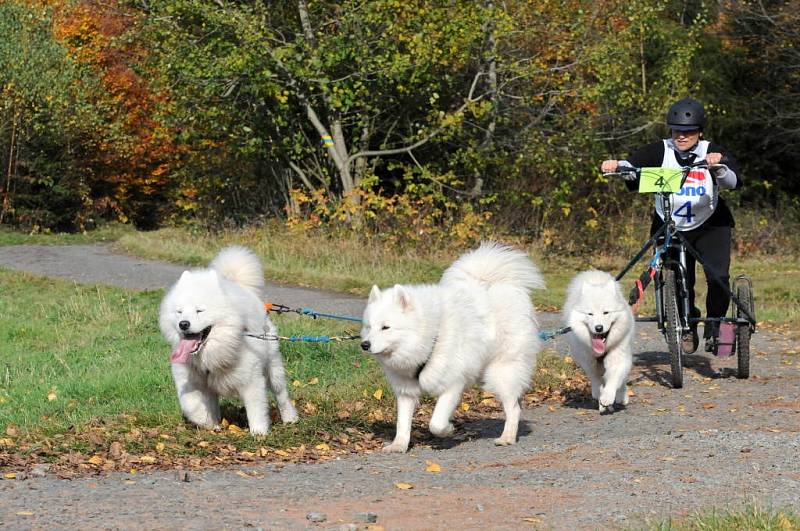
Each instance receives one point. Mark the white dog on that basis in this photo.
(205, 317)
(602, 326)
(476, 325)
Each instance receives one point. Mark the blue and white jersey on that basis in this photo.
(697, 199)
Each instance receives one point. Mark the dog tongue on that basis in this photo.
(182, 351)
(598, 344)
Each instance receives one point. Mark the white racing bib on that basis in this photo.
(697, 199)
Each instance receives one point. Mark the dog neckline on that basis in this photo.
(424, 363)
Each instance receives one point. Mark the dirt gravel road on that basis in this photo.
(718, 442)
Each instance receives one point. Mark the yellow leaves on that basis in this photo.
(10, 475)
(432, 466)
(96, 460)
(160, 447)
(51, 395)
(464, 406)
(378, 394)
(309, 408)
(569, 360)
(404, 486)
(6, 442)
(323, 447)
(147, 459)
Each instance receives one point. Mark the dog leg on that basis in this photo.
(440, 424)
(405, 412)
(512, 410)
(614, 379)
(277, 383)
(254, 396)
(199, 405)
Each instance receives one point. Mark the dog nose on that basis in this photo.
(184, 325)
(598, 329)
(365, 345)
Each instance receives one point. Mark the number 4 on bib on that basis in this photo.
(684, 211)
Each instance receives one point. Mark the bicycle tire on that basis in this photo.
(672, 327)
(743, 332)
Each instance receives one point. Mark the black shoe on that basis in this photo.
(711, 344)
(690, 341)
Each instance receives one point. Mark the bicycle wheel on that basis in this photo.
(672, 327)
(743, 331)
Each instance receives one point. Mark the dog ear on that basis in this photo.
(374, 294)
(402, 297)
(185, 275)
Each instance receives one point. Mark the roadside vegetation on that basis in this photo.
(751, 518)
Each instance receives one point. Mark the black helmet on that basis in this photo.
(686, 115)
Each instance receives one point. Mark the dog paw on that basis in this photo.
(259, 431)
(503, 441)
(289, 417)
(445, 431)
(395, 448)
(605, 408)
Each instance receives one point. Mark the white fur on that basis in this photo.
(476, 325)
(228, 297)
(595, 304)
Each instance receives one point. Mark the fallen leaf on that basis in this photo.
(297, 383)
(313, 381)
(282, 453)
(96, 460)
(631, 392)
(10, 475)
(568, 359)
(464, 406)
(160, 447)
(432, 466)
(242, 474)
(147, 459)
(323, 447)
(24, 513)
(378, 394)
(6, 442)
(531, 519)
(404, 486)
(551, 408)
(708, 406)
(11, 431)
(51, 396)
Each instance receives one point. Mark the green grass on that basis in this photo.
(751, 518)
(74, 356)
(107, 233)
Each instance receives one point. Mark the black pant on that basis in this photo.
(713, 245)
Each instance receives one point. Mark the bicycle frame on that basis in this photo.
(674, 240)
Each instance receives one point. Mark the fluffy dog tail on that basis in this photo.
(241, 265)
(494, 263)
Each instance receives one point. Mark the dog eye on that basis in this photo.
(605, 313)
(201, 310)
(385, 327)
(590, 313)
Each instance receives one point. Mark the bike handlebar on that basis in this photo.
(630, 173)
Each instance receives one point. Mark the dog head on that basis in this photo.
(189, 311)
(598, 308)
(388, 321)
